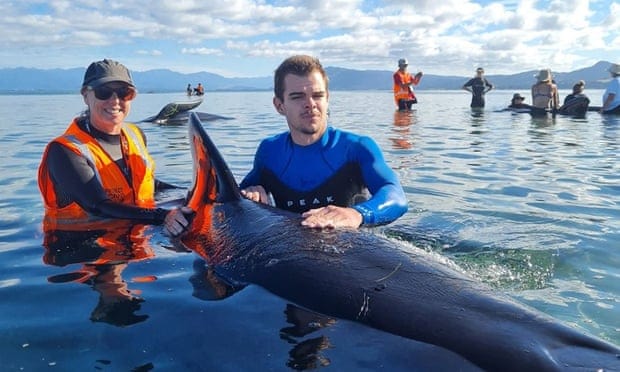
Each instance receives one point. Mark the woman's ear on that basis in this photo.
(84, 91)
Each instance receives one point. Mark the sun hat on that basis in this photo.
(544, 75)
(106, 71)
(403, 62)
(517, 96)
(614, 69)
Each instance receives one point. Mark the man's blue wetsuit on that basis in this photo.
(335, 170)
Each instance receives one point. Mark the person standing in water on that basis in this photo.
(403, 86)
(611, 97)
(478, 86)
(545, 96)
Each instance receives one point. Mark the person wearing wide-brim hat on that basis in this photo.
(100, 167)
(518, 102)
(611, 97)
(545, 96)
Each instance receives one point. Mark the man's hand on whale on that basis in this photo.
(330, 216)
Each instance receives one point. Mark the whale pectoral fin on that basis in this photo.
(208, 285)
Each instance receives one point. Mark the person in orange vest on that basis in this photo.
(100, 166)
(403, 86)
(199, 90)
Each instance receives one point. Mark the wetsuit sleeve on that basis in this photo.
(78, 184)
(469, 83)
(388, 201)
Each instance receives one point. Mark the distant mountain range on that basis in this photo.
(38, 81)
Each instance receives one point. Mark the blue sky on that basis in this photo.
(242, 38)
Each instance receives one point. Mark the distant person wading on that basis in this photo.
(403, 86)
(545, 96)
(478, 86)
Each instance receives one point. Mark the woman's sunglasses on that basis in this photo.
(104, 92)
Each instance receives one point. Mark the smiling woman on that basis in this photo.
(100, 166)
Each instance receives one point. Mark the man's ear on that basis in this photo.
(278, 105)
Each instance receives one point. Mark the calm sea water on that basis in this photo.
(529, 206)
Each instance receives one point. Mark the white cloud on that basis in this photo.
(202, 51)
(153, 52)
(442, 37)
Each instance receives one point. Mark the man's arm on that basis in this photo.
(388, 201)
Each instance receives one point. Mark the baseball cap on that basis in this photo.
(106, 71)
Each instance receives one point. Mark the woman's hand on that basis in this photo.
(177, 221)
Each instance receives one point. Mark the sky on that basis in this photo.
(249, 38)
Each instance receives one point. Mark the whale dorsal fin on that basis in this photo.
(213, 180)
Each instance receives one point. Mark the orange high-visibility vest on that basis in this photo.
(139, 162)
(404, 93)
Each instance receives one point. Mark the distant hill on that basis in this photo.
(38, 81)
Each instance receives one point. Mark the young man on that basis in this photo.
(316, 170)
(404, 97)
(478, 86)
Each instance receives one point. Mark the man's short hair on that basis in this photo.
(300, 65)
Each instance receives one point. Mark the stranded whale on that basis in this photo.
(177, 113)
(357, 275)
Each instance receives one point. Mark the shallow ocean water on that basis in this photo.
(527, 205)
